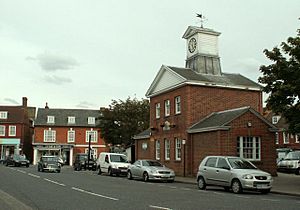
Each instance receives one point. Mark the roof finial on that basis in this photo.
(202, 19)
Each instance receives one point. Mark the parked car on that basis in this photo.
(82, 162)
(290, 163)
(112, 163)
(232, 173)
(281, 153)
(150, 170)
(49, 163)
(17, 160)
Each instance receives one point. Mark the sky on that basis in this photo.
(85, 53)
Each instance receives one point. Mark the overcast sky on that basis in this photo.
(84, 53)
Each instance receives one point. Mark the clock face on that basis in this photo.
(192, 45)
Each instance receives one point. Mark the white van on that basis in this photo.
(112, 163)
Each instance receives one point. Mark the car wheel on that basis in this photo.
(201, 183)
(109, 172)
(99, 171)
(129, 175)
(236, 186)
(145, 177)
(39, 169)
(27, 165)
(297, 172)
(58, 171)
(265, 191)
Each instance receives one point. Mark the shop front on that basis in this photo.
(9, 146)
(65, 151)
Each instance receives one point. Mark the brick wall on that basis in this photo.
(225, 142)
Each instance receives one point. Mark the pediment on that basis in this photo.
(166, 79)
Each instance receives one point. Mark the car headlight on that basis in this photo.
(114, 166)
(247, 176)
(269, 177)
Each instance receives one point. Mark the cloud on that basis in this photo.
(85, 104)
(57, 80)
(12, 101)
(50, 62)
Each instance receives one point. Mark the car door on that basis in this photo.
(135, 168)
(209, 170)
(105, 164)
(223, 174)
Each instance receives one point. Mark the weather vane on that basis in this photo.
(202, 18)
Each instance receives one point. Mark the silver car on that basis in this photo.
(150, 170)
(232, 173)
(290, 163)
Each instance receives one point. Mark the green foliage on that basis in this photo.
(124, 119)
(282, 81)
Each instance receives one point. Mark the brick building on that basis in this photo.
(199, 110)
(16, 129)
(283, 138)
(66, 132)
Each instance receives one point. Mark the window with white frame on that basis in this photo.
(91, 135)
(297, 137)
(71, 120)
(157, 110)
(249, 147)
(178, 143)
(93, 153)
(3, 115)
(167, 149)
(91, 120)
(275, 119)
(277, 138)
(177, 105)
(71, 135)
(167, 107)
(12, 129)
(286, 137)
(157, 150)
(2, 130)
(50, 119)
(49, 135)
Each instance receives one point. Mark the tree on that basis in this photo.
(282, 81)
(124, 119)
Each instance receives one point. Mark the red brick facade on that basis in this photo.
(197, 102)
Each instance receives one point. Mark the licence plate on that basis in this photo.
(262, 186)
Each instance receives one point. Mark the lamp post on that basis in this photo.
(183, 142)
(89, 150)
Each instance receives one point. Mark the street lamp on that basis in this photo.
(89, 150)
(183, 142)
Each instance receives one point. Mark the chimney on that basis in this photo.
(46, 107)
(24, 102)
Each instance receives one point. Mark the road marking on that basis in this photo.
(159, 207)
(33, 175)
(241, 196)
(54, 182)
(218, 193)
(91, 193)
(24, 172)
(13, 169)
(266, 199)
(172, 187)
(187, 189)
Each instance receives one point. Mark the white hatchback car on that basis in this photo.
(232, 173)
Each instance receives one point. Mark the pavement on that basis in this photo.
(286, 184)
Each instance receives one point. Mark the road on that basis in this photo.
(25, 188)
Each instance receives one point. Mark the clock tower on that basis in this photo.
(202, 50)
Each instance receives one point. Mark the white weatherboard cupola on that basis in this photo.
(202, 50)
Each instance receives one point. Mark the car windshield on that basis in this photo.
(19, 157)
(118, 158)
(50, 159)
(292, 156)
(238, 163)
(151, 163)
(83, 157)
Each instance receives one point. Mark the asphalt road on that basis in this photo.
(26, 188)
